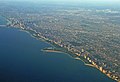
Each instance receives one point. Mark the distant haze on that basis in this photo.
(95, 2)
(69, 0)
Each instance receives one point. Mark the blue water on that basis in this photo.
(21, 60)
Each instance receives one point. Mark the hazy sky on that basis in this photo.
(69, 0)
(74, 1)
(87, 0)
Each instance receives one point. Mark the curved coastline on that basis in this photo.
(91, 65)
(77, 58)
(36, 35)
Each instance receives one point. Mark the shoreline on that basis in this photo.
(69, 53)
(78, 58)
(34, 34)
(55, 51)
(84, 62)
(91, 65)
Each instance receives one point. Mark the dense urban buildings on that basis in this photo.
(90, 33)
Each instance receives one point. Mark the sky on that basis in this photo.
(74, 1)
(87, 0)
(69, 0)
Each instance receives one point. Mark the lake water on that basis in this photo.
(21, 60)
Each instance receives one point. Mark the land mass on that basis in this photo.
(89, 34)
